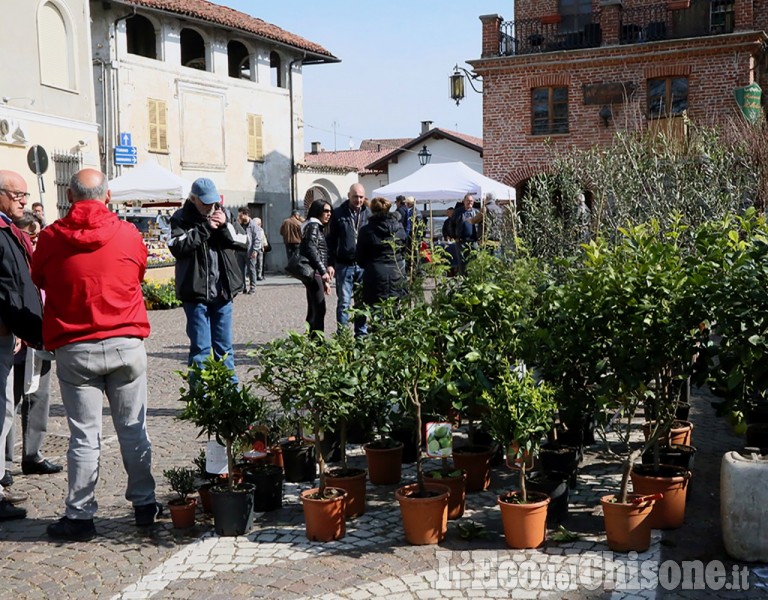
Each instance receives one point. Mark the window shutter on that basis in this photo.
(158, 127)
(255, 138)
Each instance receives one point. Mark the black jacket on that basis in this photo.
(190, 242)
(381, 248)
(313, 246)
(21, 309)
(343, 232)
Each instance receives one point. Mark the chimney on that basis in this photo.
(425, 126)
(316, 148)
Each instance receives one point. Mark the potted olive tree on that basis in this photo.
(520, 413)
(183, 482)
(223, 409)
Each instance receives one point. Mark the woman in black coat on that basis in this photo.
(381, 247)
(314, 249)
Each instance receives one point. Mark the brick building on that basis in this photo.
(569, 73)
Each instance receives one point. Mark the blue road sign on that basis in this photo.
(129, 150)
(125, 139)
(125, 159)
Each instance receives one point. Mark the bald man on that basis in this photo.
(345, 224)
(20, 316)
(90, 265)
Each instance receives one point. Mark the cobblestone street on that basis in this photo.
(275, 560)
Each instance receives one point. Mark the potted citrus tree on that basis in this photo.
(520, 413)
(223, 409)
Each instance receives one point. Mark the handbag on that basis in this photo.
(266, 247)
(298, 266)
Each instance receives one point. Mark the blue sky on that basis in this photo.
(396, 58)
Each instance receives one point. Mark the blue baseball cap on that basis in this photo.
(206, 190)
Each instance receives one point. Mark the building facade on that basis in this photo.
(46, 95)
(206, 91)
(569, 73)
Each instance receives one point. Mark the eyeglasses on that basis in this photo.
(327, 210)
(16, 195)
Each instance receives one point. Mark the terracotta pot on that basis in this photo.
(672, 482)
(626, 525)
(324, 518)
(525, 525)
(205, 497)
(384, 464)
(681, 433)
(183, 512)
(354, 485)
(458, 487)
(476, 461)
(678, 455)
(425, 520)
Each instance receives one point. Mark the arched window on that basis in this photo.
(239, 60)
(141, 38)
(275, 69)
(57, 51)
(193, 50)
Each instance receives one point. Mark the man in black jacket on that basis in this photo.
(21, 315)
(206, 241)
(345, 224)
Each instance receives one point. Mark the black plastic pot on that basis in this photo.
(232, 511)
(268, 486)
(757, 435)
(558, 458)
(576, 432)
(330, 446)
(483, 438)
(407, 437)
(678, 455)
(298, 461)
(554, 485)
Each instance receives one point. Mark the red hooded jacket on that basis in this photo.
(90, 265)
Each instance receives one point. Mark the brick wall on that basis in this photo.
(511, 153)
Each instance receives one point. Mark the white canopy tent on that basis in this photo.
(443, 184)
(149, 182)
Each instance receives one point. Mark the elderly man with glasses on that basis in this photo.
(345, 225)
(20, 315)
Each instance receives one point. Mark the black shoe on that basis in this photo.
(14, 497)
(7, 480)
(72, 530)
(147, 513)
(43, 467)
(9, 512)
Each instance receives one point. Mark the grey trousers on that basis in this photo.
(116, 367)
(34, 415)
(6, 388)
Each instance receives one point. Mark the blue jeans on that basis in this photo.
(210, 326)
(347, 278)
(116, 367)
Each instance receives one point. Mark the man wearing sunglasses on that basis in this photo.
(20, 314)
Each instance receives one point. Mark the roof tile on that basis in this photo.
(228, 17)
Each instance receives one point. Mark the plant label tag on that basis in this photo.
(439, 440)
(215, 458)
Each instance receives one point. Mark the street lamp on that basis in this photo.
(424, 156)
(457, 83)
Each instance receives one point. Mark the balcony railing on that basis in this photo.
(637, 26)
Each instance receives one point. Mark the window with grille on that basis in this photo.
(549, 110)
(158, 126)
(667, 97)
(721, 16)
(255, 138)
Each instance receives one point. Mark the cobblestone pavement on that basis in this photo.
(275, 560)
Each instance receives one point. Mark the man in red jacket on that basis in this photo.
(90, 265)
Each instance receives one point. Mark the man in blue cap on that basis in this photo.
(205, 240)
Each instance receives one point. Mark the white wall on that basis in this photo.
(443, 151)
(54, 117)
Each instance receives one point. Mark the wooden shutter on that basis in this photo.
(158, 127)
(255, 138)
